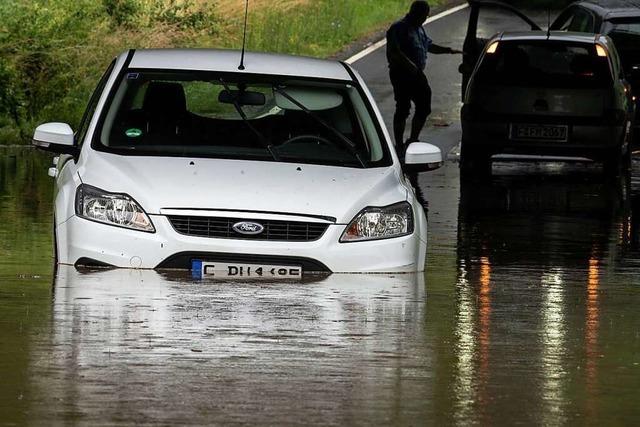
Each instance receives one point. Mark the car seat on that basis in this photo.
(165, 109)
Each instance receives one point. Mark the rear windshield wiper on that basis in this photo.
(263, 139)
(350, 145)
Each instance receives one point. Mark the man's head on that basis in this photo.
(419, 12)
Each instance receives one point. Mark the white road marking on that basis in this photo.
(358, 56)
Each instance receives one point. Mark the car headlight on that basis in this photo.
(111, 208)
(380, 223)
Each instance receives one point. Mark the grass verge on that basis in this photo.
(54, 51)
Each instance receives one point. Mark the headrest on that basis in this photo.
(164, 98)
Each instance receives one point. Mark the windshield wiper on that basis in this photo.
(263, 139)
(351, 146)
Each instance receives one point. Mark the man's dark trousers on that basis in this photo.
(409, 88)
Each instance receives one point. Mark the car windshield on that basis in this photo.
(545, 64)
(262, 118)
(627, 26)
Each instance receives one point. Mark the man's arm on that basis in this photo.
(437, 49)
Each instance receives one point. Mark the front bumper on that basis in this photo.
(81, 241)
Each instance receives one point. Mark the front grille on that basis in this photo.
(222, 228)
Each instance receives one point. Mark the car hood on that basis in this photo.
(161, 182)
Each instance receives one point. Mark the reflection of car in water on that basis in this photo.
(618, 19)
(184, 159)
(542, 221)
(132, 331)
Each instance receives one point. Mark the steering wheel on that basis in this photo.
(307, 137)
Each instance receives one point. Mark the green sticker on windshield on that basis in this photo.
(133, 133)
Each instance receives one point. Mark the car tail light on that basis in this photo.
(493, 47)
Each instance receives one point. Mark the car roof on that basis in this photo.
(611, 9)
(227, 61)
(553, 35)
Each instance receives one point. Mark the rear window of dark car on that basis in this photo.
(545, 64)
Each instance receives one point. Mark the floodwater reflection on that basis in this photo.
(137, 340)
(541, 261)
(529, 315)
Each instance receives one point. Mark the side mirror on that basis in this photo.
(422, 157)
(55, 138)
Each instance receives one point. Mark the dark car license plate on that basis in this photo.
(539, 132)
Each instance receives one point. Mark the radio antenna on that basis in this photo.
(244, 35)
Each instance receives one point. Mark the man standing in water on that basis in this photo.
(407, 48)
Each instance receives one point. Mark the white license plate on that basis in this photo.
(226, 270)
(539, 132)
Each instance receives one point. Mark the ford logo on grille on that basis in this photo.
(247, 227)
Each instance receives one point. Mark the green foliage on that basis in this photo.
(54, 51)
(182, 14)
(122, 12)
(321, 27)
(39, 46)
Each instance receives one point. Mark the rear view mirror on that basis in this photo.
(422, 157)
(55, 138)
(242, 97)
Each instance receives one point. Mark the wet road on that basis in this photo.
(527, 313)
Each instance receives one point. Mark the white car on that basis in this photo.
(279, 168)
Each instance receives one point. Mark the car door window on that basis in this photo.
(563, 22)
(493, 20)
(582, 22)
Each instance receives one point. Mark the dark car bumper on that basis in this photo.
(589, 140)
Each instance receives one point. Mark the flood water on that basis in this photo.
(527, 314)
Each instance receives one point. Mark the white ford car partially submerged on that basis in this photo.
(279, 168)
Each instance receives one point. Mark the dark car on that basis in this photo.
(538, 93)
(618, 19)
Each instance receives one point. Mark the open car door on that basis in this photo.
(474, 44)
